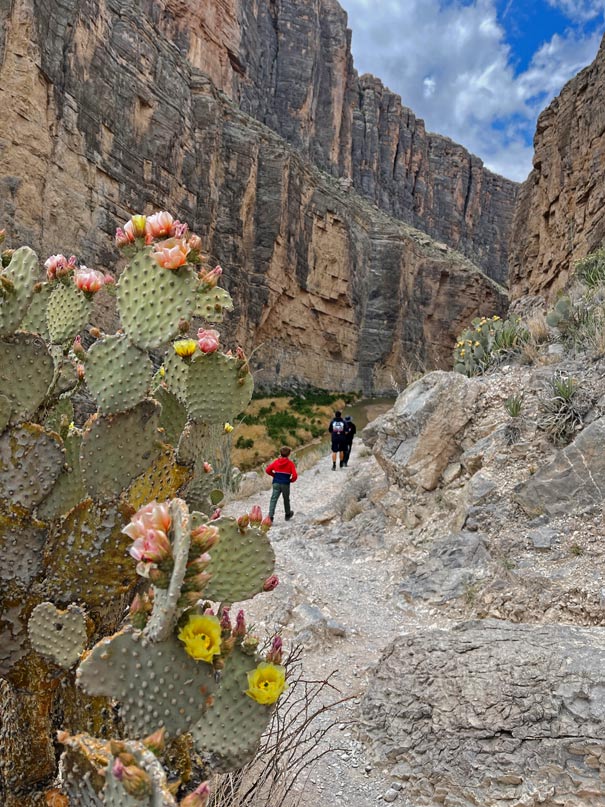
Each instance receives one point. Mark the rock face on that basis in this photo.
(560, 213)
(493, 713)
(110, 109)
(417, 439)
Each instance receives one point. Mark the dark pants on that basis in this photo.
(348, 447)
(279, 490)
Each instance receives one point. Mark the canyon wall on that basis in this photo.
(560, 216)
(110, 109)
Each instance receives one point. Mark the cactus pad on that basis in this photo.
(60, 635)
(177, 375)
(231, 729)
(156, 683)
(21, 542)
(240, 563)
(160, 481)
(67, 312)
(114, 794)
(152, 300)
(202, 493)
(69, 488)
(81, 769)
(35, 318)
(31, 459)
(107, 443)
(59, 416)
(173, 416)
(117, 373)
(86, 557)
(218, 388)
(212, 303)
(26, 372)
(5, 412)
(193, 443)
(22, 272)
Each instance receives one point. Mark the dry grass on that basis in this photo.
(538, 328)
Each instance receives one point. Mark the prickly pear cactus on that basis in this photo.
(96, 503)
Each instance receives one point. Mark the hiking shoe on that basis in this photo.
(289, 515)
(333, 466)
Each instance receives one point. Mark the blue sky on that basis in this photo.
(478, 71)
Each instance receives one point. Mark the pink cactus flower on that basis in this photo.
(195, 242)
(153, 547)
(122, 238)
(199, 797)
(256, 515)
(204, 537)
(179, 229)
(271, 583)
(159, 225)
(89, 280)
(171, 253)
(217, 514)
(109, 279)
(152, 516)
(210, 277)
(54, 263)
(208, 340)
(118, 769)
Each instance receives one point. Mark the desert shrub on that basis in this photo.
(591, 269)
(514, 405)
(560, 416)
(279, 423)
(244, 442)
(487, 343)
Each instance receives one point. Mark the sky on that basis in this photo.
(478, 71)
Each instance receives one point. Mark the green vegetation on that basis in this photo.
(488, 343)
(560, 416)
(591, 270)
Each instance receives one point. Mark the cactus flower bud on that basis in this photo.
(203, 538)
(266, 524)
(123, 238)
(225, 620)
(184, 325)
(250, 645)
(210, 277)
(78, 348)
(81, 372)
(208, 340)
(208, 469)
(135, 781)
(274, 656)
(7, 285)
(95, 333)
(156, 742)
(138, 612)
(243, 522)
(217, 514)
(7, 256)
(240, 625)
(195, 242)
(256, 515)
(179, 229)
(199, 797)
(271, 583)
(159, 577)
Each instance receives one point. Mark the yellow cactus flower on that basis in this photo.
(227, 428)
(201, 636)
(185, 347)
(477, 344)
(462, 352)
(162, 371)
(496, 318)
(266, 683)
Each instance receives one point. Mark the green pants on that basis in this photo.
(279, 490)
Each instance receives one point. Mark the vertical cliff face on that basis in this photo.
(110, 108)
(560, 217)
(299, 79)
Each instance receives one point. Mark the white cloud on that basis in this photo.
(452, 65)
(580, 10)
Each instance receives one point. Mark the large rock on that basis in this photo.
(492, 713)
(417, 439)
(108, 110)
(574, 479)
(560, 215)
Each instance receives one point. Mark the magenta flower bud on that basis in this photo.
(240, 625)
(274, 656)
(225, 620)
(118, 769)
(217, 514)
(256, 515)
(271, 583)
(266, 524)
(208, 340)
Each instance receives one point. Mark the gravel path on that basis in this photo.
(337, 596)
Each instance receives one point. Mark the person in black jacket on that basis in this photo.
(349, 433)
(337, 430)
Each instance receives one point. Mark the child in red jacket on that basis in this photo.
(283, 472)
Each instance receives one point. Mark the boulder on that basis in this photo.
(492, 713)
(420, 436)
(453, 565)
(575, 478)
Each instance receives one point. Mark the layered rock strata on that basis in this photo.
(108, 110)
(560, 214)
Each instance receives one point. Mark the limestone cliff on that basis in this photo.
(110, 108)
(560, 215)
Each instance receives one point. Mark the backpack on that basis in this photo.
(338, 427)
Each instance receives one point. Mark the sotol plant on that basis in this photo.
(135, 477)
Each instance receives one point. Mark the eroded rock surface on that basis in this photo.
(493, 713)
